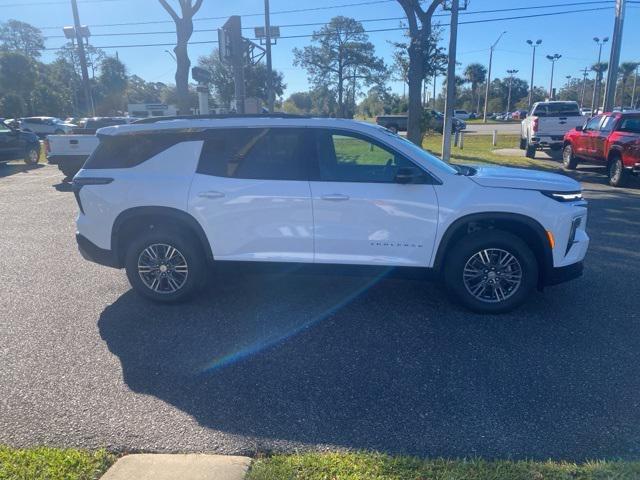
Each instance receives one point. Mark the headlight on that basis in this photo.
(564, 196)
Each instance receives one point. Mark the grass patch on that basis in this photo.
(373, 466)
(53, 464)
(478, 149)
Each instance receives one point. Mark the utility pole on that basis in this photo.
(83, 58)
(585, 74)
(533, 67)
(486, 93)
(267, 33)
(511, 74)
(450, 99)
(553, 59)
(596, 86)
(614, 57)
(633, 93)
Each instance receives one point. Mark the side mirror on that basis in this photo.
(406, 175)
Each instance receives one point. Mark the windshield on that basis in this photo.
(422, 154)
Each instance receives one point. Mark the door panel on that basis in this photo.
(251, 195)
(10, 145)
(361, 215)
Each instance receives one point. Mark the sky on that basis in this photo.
(570, 35)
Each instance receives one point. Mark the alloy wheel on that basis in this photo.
(163, 268)
(492, 275)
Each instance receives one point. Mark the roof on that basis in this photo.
(234, 121)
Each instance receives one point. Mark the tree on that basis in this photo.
(12, 106)
(600, 69)
(21, 37)
(475, 74)
(341, 58)
(419, 20)
(184, 30)
(298, 103)
(111, 87)
(627, 69)
(255, 77)
(17, 75)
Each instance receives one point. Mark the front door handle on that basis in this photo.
(212, 194)
(335, 197)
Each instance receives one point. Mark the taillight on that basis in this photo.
(78, 183)
(534, 124)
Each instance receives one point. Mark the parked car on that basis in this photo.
(165, 200)
(546, 125)
(612, 140)
(17, 144)
(398, 123)
(518, 115)
(586, 112)
(393, 123)
(461, 114)
(43, 126)
(69, 152)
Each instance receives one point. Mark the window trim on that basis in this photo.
(428, 177)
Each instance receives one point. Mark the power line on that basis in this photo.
(365, 3)
(40, 4)
(371, 20)
(468, 22)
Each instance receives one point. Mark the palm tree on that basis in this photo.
(475, 74)
(600, 69)
(627, 69)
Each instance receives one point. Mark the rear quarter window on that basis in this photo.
(630, 125)
(126, 151)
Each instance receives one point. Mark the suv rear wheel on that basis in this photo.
(165, 266)
(491, 271)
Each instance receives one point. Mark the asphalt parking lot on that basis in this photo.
(289, 360)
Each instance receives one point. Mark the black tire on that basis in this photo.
(497, 241)
(523, 144)
(530, 151)
(190, 251)
(618, 176)
(569, 160)
(32, 155)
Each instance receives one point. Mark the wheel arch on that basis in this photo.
(137, 219)
(526, 228)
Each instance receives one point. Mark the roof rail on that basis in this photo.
(219, 116)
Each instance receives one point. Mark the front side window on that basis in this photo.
(346, 157)
(257, 153)
(594, 123)
(607, 124)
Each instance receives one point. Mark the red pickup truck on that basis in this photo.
(610, 139)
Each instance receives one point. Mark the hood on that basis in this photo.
(504, 177)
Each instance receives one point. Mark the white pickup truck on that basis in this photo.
(546, 125)
(69, 152)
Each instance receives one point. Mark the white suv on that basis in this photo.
(166, 199)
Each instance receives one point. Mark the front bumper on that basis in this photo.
(563, 274)
(95, 254)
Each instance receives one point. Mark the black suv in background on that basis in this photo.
(17, 144)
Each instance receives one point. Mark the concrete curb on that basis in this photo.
(182, 467)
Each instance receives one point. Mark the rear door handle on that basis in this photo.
(335, 197)
(212, 194)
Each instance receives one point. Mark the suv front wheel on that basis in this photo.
(165, 266)
(491, 271)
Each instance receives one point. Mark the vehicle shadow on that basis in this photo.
(8, 169)
(390, 364)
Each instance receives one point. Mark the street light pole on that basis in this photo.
(83, 58)
(553, 58)
(596, 86)
(450, 99)
(533, 67)
(486, 92)
(267, 32)
(511, 74)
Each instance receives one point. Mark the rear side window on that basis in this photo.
(126, 151)
(631, 125)
(257, 153)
